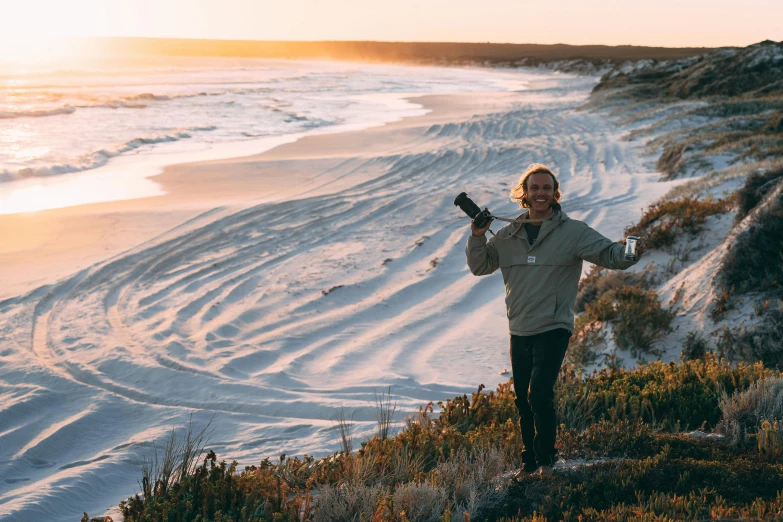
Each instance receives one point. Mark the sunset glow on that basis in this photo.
(28, 29)
(35, 32)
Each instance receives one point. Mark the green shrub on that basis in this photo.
(600, 280)
(701, 504)
(670, 396)
(770, 440)
(649, 489)
(583, 348)
(755, 261)
(621, 298)
(638, 320)
(695, 346)
(723, 303)
(757, 185)
(607, 439)
(216, 492)
(662, 222)
(761, 340)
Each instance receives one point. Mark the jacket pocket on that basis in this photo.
(527, 307)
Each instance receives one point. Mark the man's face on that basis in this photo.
(540, 191)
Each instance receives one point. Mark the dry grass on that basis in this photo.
(719, 177)
(345, 427)
(745, 411)
(752, 71)
(348, 503)
(180, 457)
(420, 502)
(385, 408)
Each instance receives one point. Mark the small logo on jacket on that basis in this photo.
(531, 259)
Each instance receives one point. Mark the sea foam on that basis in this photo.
(72, 121)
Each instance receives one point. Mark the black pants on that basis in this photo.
(535, 363)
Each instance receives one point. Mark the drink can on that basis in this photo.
(630, 248)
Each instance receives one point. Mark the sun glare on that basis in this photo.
(36, 33)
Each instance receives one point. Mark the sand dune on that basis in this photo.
(275, 315)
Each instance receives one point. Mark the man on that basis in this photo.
(541, 262)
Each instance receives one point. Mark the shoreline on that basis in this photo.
(41, 247)
(130, 176)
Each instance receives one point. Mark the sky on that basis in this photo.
(27, 24)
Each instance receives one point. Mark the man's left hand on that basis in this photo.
(641, 246)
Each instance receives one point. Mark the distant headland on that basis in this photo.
(440, 53)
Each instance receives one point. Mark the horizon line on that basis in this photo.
(445, 42)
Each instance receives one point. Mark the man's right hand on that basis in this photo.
(476, 231)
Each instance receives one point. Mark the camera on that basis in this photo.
(480, 217)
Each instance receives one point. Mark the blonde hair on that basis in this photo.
(519, 192)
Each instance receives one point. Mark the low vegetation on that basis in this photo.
(627, 427)
(637, 318)
(751, 71)
(695, 346)
(762, 340)
(755, 261)
(757, 186)
(754, 265)
(721, 110)
(664, 221)
(621, 304)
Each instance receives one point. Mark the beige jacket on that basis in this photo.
(541, 281)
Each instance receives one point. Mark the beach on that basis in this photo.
(270, 292)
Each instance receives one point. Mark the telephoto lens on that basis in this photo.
(480, 217)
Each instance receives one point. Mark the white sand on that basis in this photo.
(272, 290)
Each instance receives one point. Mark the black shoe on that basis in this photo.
(545, 471)
(547, 461)
(527, 469)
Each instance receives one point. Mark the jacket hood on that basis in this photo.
(549, 224)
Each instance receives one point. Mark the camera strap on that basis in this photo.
(520, 222)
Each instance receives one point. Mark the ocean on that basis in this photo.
(56, 123)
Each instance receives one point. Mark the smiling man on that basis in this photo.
(540, 258)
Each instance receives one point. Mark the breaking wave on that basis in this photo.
(138, 101)
(65, 109)
(100, 157)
